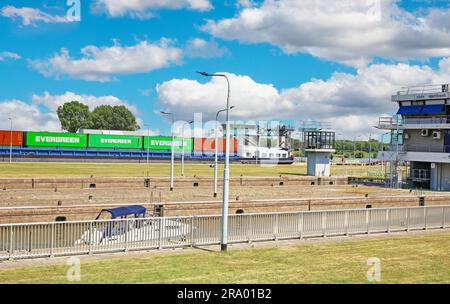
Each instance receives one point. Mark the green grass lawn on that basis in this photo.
(421, 258)
(123, 170)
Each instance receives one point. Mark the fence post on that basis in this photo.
(52, 241)
(192, 224)
(275, 228)
(11, 242)
(160, 233)
(443, 217)
(425, 211)
(91, 229)
(408, 215)
(346, 222)
(324, 224)
(250, 228)
(388, 220)
(126, 221)
(368, 220)
(300, 224)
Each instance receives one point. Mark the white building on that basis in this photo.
(420, 137)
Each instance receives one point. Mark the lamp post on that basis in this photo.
(10, 140)
(216, 152)
(182, 143)
(148, 145)
(226, 170)
(172, 159)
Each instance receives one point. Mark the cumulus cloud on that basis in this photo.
(9, 55)
(144, 8)
(351, 103)
(31, 16)
(350, 31)
(26, 117)
(199, 48)
(41, 115)
(102, 63)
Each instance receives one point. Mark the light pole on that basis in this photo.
(172, 159)
(216, 150)
(226, 170)
(182, 143)
(148, 145)
(10, 140)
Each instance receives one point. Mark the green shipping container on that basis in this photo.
(52, 140)
(115, 141)
(164, 143)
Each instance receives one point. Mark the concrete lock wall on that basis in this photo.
(160, 182)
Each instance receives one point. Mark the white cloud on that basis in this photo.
(41, 115)
(31, 16)
(351, 103)
(27, 117)
(144, 8)
(9, 55)
(199, 48)
(102, 63)
(349, 31)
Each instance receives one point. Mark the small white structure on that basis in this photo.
(319, 146)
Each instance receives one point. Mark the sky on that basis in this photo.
(336, 62)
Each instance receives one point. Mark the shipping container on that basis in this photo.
(164, 143)
(55, 140)
(115, 142)
(16, 140)
(208, 145)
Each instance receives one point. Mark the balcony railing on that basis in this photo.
(420, 148)
(426, 89)
(393, 122)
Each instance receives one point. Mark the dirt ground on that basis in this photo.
(70, 197)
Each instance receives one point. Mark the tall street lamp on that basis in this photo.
(172, 159)
(182, 143)
(216, 152)
(10, 139)
(226, 170)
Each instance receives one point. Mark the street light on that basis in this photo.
(148, 138)
(226, 170)
(216, 150)
(10, 140)
(182, 143)
(172, 159)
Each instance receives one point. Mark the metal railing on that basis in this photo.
(424, 89)
(32, 240)
(393, 122)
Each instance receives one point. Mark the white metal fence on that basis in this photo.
(31, 240)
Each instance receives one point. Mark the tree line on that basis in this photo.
(75, 115)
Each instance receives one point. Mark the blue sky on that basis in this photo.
(281, 72)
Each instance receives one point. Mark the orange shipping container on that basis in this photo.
(17, 138)
(208, 145)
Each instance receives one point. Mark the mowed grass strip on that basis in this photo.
(139, 170)
(423, 258)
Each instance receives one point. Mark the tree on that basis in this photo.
(107, 117)
(73, 116)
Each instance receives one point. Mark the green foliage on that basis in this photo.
(73, 116)
(107, 117)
